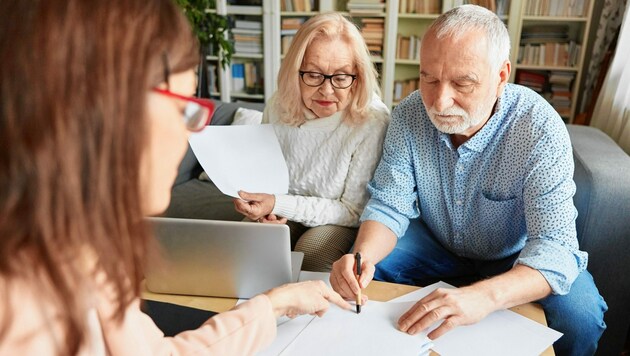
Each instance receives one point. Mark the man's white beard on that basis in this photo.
(455, 120)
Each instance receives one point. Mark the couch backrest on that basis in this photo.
(223, 115)
(602, 198)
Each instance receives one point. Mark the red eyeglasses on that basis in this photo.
(197, 113)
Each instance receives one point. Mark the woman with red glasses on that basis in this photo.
(94, 118)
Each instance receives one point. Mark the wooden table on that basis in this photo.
(379, 291)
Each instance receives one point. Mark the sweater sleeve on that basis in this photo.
(346, 210)
(243, 330)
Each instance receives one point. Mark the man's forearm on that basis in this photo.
(374, 241)
(521, 284)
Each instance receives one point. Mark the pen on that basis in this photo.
(357, 259)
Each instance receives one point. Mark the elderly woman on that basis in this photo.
(94, 121)
(330, 123)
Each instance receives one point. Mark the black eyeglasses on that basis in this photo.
(338, 81)
(197, 113)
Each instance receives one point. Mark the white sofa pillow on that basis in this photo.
(247, 117)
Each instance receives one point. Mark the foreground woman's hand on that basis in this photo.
(310, 297)
(255, 206)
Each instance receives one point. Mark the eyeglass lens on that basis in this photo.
(195, 116)
(339, 81)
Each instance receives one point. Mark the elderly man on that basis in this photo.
(475, 183)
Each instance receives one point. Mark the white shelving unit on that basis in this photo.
(391, 69)
(578, 27)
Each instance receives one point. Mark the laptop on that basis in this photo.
(214, 258)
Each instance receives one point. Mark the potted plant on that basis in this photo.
(211, 30)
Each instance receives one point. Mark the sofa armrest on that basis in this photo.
(602, 177)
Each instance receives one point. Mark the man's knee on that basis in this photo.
(579, 315)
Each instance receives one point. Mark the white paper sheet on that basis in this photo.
(334, 333)
(372, 332)
(503, 332)
(242, 157)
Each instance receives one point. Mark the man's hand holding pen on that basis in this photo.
(345, 279)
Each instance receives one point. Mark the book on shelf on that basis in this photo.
(248, 24)
(254, 78)
(535, 80)
(402, 88)
(419, 6)
(557, 8)
(288, 28)
(247, 40)
(238, 76)
(365, 7)
(557, 54)
(555, 86)
(373, 31)
(297, 5)
(408, 47)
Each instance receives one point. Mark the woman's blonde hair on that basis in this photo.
(287, 100)
(74, 78)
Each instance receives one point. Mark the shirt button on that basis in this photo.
(459, 202)
(460, 168)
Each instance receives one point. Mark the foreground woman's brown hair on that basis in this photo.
(73, 83)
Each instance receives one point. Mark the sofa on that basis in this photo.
(602, 176)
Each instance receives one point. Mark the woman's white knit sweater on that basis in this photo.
(330, 163)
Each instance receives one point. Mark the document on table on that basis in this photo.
(503, 332)
(242, 157)
(343, 332)
(500, 333)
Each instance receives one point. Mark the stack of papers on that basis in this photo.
(374, 332)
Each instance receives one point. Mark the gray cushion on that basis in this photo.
(602, 177)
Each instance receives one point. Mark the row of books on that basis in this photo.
(420, 6)
(373, 30)
(555, 86)
(562, 8)
(248, 77)
(288, 28)
(298, 5)
(562, 54)
(408, 47)
(247, 35)
(402, 88)
(366, 7)
(500, 7)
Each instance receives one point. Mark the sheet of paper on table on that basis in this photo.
(500, 333)
(242, 157)
(343, 332)
(503, 332)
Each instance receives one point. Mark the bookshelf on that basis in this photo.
(549, 46)
(403, 22)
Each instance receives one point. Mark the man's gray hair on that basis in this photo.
(463, 19)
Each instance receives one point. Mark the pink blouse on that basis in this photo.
(34, 329)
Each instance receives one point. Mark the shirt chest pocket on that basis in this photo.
(499, 221)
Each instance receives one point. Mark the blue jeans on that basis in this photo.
(419, 259)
